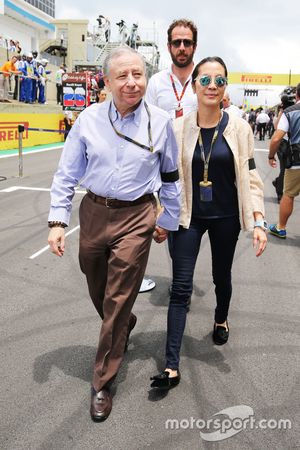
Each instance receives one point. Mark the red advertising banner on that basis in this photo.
(74, 91)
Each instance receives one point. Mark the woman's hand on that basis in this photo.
(259, 240)
(56, 240)
(160, 234)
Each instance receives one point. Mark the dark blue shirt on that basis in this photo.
(220, 172)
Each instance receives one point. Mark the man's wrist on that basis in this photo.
(56, 223)
(271, 157)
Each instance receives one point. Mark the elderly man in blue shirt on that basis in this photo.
(122, 152)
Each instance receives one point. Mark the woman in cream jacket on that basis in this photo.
(221, 193)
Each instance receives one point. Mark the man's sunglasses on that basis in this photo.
(219, 81)
(186, 43)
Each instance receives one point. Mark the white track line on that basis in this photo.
(24, 188)
(32, 151)
(44, 249)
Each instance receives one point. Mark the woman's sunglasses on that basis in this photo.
(219, 81)
(186, 43)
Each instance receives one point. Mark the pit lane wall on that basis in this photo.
(9, 121)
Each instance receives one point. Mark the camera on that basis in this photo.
(288, 96)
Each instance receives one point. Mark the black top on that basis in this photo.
(220, 172)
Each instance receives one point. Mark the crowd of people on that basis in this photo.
(261, 120)
(127, 35)
(29, 75)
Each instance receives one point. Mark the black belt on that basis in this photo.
(115, 203)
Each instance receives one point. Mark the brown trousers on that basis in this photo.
(113, 254)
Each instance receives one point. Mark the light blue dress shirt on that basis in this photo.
(95, 157)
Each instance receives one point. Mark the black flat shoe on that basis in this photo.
(220, 334)
(164, 381)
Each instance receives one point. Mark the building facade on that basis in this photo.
(25, 23)
(47, 6)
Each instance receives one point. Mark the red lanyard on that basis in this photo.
(175, 90)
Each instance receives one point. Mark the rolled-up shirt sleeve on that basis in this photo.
(169, 193)
(71, 169)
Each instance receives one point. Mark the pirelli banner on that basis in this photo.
(275, 79)
(9, 136)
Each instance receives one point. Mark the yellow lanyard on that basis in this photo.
(207, 158)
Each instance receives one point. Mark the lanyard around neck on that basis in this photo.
(127, 138)
(207, 158)
(175, 90)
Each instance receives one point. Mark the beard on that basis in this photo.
(185, 63)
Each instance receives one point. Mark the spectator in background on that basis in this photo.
(17, 83)
(42, 73)
(252, 119)
(35, 70)
(30, 75)
(18, 48)
(58, 81)
(289, 123)
(101, 96)
(282, 149)
(123, 31)
(107, 31)
(12, 46)
(171, 88)
(99, 78)
(229, 107)
(262, 120)
(6, 71)
(22, 69)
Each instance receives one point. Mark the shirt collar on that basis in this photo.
(134, 117)
(170, 72)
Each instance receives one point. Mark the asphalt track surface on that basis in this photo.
(49, 334)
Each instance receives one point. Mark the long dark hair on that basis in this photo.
(205, 60)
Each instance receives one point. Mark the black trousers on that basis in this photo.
(223, 235)
(261, 127)
(59, 94)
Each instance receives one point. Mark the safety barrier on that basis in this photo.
(21, 129)
(20, 77)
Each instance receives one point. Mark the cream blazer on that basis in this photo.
(239, 137)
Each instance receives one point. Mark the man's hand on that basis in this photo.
(160, 234)
(273, 162)
(56, 240)
(259, 240)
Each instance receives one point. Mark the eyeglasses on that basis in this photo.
(186, 43)
(219, 81)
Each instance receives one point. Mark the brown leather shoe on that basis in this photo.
(131, 325)
(101, 404)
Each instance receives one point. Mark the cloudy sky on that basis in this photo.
(250, 35)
